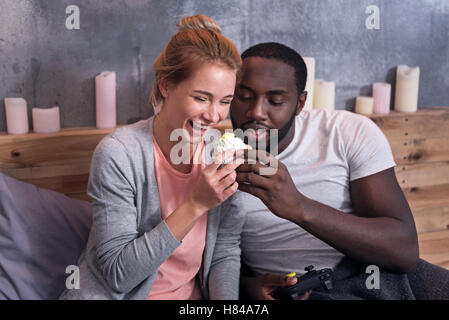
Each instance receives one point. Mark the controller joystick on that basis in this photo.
(312, 279)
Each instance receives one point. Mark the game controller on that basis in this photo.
(311, 280)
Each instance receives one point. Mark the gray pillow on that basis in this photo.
(41, 233)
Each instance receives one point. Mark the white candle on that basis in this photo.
(407, 88)
(324, 95)
(46, 120)
(16, 115)
(381, 95)
(105, 100)
(364, 105)
(310, 64)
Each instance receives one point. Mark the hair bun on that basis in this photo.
(198, 22)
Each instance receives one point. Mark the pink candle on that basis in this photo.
(16, 115)
(381, 95)
(46, 120)
(105, 100)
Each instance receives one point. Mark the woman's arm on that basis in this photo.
(125, 258)
(224, 274)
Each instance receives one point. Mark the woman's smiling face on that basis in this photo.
(200, 101)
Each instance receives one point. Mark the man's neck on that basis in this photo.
(285, 142)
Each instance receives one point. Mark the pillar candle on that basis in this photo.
(324, 95)
(364, 105)
(407, 87)
(381, 95)
(16, 115)
(46, 120)
(105, 100)
(310, 64)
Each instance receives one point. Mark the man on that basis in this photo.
(334, 193)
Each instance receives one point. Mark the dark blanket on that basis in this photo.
(425, 281)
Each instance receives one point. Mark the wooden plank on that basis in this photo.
(426, 123)
(431, 219)
(430, 207)
(67, 184)
(48, 171)
(48, 151)
(69, 146)
(428, 197)
(80, 196)
(434, 247)
(424, 174)
(422, 150)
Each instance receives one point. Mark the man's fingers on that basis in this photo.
(247, 167)
(255, 191)
(278, 281)
(250, 178)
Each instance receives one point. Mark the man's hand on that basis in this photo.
(276, 190)
(262, 287)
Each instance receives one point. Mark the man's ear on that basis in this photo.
(163, 87)
(301, 101)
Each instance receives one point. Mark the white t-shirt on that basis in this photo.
(329, 149)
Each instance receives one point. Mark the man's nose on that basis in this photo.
(257, 111)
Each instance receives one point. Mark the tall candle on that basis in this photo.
(364, 105)
(46, 120)
(381, 95)
(407, 87)
(16, 115)
(324, 95)
(310, 64)
(105, 100)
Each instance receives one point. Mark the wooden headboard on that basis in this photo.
(58, 161)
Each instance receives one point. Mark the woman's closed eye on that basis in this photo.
(200, 99)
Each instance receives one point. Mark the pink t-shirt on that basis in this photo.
(176, 277)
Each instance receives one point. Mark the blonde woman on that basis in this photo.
(157, 220)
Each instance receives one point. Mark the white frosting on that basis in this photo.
(229, 141)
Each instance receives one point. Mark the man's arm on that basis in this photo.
(381, 232)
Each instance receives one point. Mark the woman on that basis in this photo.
(154, 217)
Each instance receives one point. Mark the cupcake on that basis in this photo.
(229, 141)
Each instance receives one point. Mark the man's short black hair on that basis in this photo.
(274, 50)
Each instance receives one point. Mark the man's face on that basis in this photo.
(267, 98)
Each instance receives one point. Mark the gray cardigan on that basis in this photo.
(128, 240)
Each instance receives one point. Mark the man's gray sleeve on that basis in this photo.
(224, 275)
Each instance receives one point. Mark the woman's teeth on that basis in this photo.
(199, 126)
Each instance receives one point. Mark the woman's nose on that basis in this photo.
(212, 114)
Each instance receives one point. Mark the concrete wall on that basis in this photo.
(47, 64)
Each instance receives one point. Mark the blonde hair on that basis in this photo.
(199, 40)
